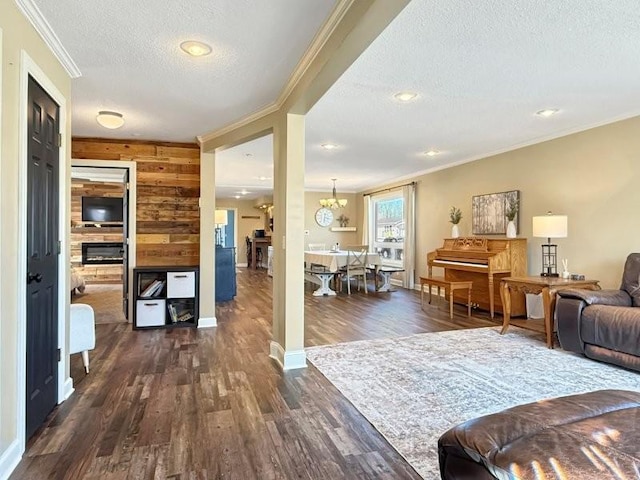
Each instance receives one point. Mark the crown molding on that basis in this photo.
(310, 54)
(321, 37)
(252, 117)
(31, 11)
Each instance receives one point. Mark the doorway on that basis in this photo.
(113, 240)
(99, 240)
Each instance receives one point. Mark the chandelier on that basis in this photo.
(334, 202)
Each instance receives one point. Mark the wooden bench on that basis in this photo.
(449, 287)
(385, 272)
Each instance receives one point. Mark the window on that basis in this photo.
(387, 229)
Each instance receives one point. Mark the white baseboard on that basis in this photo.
(207, 322)
(9, 459)
(288, 360)
(68, 388)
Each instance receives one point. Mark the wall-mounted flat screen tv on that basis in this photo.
(101, 209)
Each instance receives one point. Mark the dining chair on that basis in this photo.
(356, 266)
(316, 247)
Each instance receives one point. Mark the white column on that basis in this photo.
(287, 346)
(207, 307)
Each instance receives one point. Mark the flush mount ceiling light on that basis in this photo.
(405, 96)
(195, 49)
(547, 112)
(329, 146)
(110, 120)
(432, 153)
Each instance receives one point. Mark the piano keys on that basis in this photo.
(485, 261)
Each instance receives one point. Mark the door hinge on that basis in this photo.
(59, 140)
(127, 185)
(59, 247)
(59, 354)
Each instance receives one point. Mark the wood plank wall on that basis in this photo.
(168, 189)
(93, 273)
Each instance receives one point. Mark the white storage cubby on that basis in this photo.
(165, 297)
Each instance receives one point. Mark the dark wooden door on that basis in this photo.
(125, 246)
(42, 256)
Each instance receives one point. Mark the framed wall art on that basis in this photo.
(489, 212)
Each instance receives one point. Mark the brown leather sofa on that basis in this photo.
(604, 324)
(591, 436)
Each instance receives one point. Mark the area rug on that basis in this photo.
(413, 389)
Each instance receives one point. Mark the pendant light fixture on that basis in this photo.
(334, 202)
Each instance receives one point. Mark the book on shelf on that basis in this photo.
(185, 316)
(172, 313)
(154, 288)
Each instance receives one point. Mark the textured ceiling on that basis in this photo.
(481, 69)
(130, 58)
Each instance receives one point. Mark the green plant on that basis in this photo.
(455, 215)
(343, 220)
(512, 209)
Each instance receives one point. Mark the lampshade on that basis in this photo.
(110, 120)
(333, 202)
(550, 226)
(221, 217)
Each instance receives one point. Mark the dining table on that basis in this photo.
(330, 262)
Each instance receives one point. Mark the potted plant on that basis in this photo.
(455, 215)
(510, 212)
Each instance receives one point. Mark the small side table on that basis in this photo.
(548, 286)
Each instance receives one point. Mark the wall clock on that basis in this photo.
(324, 217)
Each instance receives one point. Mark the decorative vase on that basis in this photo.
(511, 229)
(455, 233)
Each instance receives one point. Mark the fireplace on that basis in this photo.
(101, 253)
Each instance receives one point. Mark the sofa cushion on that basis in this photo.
(590, 436)
(631, 278)
(617, 328)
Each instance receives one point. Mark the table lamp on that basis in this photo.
(550, 226)
(220, 220)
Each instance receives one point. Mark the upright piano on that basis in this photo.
(485, 261)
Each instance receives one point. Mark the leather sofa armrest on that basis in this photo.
(617, 298)
(568, 314)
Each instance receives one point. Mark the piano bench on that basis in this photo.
(449, 287)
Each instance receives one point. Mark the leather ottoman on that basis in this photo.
(591, 436)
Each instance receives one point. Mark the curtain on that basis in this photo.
(366, 211)
(409, 196)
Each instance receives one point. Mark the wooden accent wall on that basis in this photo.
(168, 191)
(79, 233)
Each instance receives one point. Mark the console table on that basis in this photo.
(548, 286)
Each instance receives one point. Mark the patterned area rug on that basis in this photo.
(413, 389)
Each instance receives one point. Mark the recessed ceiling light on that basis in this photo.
(432, 153)
(236, 196)
(243, 192)
(263, 178)
(547, 112)
(329, 146)
(405, 96)
(110, 120)
(195, 49)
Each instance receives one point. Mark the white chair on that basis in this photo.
(356, 266)
(314, 247)
(82, 331)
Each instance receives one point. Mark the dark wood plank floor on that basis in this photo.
(204, 404)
